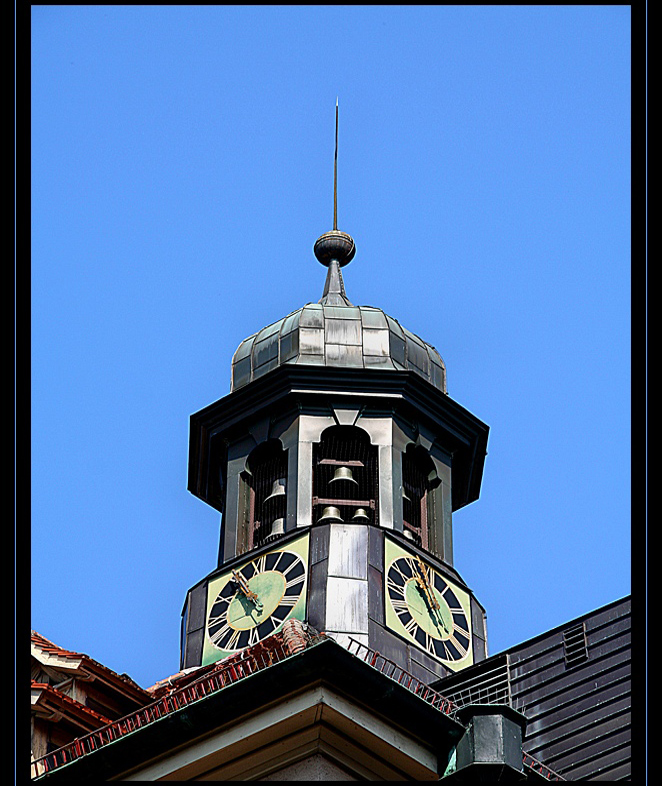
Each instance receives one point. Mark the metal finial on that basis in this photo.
(335, 249)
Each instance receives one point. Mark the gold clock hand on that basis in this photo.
(424, 582)
(248, 592)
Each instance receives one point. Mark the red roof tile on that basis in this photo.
(122, 682)
(43, 643)
(67, 704)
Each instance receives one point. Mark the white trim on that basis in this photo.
(318, 719)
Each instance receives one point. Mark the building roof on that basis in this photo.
(333, 332)
(337, 336)
(49, 702)
(294, 685)
(573, 683)
(73, 663)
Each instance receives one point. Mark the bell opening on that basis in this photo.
(345, 475)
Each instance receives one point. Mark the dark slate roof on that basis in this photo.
(337, 335)
(573, 684)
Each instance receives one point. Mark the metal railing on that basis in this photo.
(493, 695)
(210, 683)
(223, 675)
(391, 669)
(541, 769)
(486, 685)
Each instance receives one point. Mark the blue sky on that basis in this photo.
(182, 168)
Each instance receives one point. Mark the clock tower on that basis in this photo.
(336, 463)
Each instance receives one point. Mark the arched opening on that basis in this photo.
(264, 485)
(345, 477)
(419, 477)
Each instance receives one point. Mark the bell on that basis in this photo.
(277, 528)
(277, 490)
(331, 515)
(343, 473)
(360, 516)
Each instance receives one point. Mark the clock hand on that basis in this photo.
(248, 592)
(424, 582)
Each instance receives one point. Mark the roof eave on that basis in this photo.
(326, 662)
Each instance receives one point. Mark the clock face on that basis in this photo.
(252, 601)
(426, 608)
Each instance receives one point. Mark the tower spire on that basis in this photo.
(335, 249)
(335, 176)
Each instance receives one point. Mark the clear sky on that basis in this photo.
(182, 168)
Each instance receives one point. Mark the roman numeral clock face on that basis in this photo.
(426, 608)
(252, 601)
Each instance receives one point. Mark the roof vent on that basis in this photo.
(575, 646)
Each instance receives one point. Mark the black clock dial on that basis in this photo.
(256, 600)
(428, 609)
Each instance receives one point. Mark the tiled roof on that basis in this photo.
(185, 688)
(178, 679)
(44, 694)
(121, 682)
(174, 693)
(182, 678)
(191, 685)
(52, 649)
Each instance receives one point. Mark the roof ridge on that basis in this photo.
(49, 646)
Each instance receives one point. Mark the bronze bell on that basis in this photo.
(331, 515)
(277, 528)
(360, 516)
(277, 490)
(343, 473)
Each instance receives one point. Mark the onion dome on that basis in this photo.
(335, 333)
(337, 336)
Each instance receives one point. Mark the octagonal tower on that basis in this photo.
(338, 456)
(336, 462)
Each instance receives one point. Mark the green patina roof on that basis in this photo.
(336, 335)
